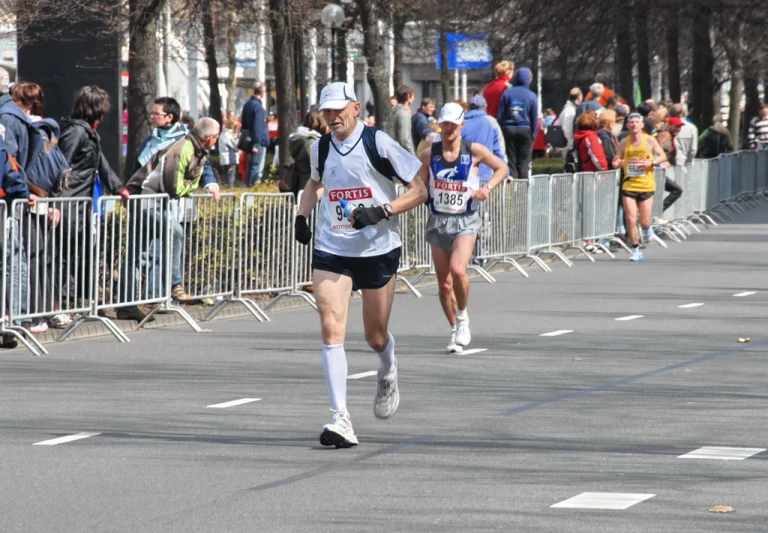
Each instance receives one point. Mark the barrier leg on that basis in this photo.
(79, 321)
(559, 255)
(621, 243)
(483, 273)
(292, 294)
(26, 338)
(514, 264)
(409, 285)
(580, 250)
(605, 249)
(537, 260)
(658, 240)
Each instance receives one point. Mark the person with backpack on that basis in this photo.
(355, 167)
(590, 156)
(715, 140)
(300, 144)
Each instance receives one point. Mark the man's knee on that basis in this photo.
(377, 340)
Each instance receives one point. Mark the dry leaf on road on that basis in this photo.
(721, 509)
(743, 339)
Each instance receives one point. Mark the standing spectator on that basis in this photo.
(596, 90)
(649, 114)
(517, 116)
(606, 121)
(687, 140)
(620, 128)
(587, 142)
(606, 93)
(420, 121)
(401, 118)
(300, 143)
(540, 141)
(273, 130)
(494, 90)
(757, 137)
(166, 129)
(480, 103)
(254, 126)
(478, 130)
(91, 174)
(549, 118)
(715, 140)
(568, 116)
(228, 151)
(673, 127)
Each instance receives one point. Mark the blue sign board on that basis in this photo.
(466, 52)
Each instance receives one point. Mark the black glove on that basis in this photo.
(367, 216)
(301, 229)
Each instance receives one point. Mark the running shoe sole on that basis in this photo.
(394, 407)
(331, 438)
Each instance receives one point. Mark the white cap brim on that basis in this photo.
(458, 122)
(335, 104)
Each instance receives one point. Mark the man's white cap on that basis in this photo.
(337, 95)
(452, 112)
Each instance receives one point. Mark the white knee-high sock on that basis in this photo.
(387, 357)
(335, 367)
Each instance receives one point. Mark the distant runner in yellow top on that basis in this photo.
(638, 154)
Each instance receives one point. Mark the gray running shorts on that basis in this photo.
(442, 230)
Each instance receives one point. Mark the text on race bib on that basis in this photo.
(635, 168)
(450, 196)
(357, 197)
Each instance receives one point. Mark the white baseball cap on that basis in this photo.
(337, 95)
(452, 112)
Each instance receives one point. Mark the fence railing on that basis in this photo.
(69, 257)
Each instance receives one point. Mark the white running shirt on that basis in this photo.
(350, 175)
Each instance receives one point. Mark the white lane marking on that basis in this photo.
(556, 333)
(722, 452)
(688, 306)
(630, 317)
(603, 500)
(473, 350)
(68, 438)
(362, 375)
(233, 403)
(746, 293)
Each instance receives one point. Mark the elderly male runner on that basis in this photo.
(450, 170)
(357, 164)
(638, 154)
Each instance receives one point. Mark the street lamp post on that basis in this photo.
(332, 17)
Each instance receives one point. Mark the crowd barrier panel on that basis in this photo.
(9, 249)
(657, 210)
(539, 217)
(601, 206)
(267, 262)
(761, 171)
(303, 255)
(562, 190)
(53, 264)
(413, 253)
(515, 195)
(210, 236)
(704, 172)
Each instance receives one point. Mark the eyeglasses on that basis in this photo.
(153, 114)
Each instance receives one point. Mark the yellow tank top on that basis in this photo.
(638, 179)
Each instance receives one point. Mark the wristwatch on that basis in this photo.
(490, 187)
(387, 210)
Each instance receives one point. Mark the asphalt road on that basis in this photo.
(483, 441)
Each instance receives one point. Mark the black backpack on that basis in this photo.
(572, 162)
(556, 136)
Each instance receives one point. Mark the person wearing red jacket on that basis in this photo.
(493, 91)
(587, 142)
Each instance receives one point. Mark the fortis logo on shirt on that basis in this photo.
(360, 193)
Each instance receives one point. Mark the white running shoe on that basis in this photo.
(42, 327)
(339, 432)
(60, 321)
(637, 255)
(649, 235)
(387, 396)
(463, 336)
(453, 347)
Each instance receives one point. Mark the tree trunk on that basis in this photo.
(398, 49)
(643, 50)
(142, 65)
(445, 74)
(625, 83)
(673, 51)
(751, 93)
(231, 81)
(378, 63)
(733, 51)
(342, 54)
(702, 77)
(209, 38)
(280, 21)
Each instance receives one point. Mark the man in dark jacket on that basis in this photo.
(518, 118)
(420, 121)
(254, 122)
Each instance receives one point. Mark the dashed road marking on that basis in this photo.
(473, 350)
(603, 500)
(556, 333)
(630, 317)
(689, 306)
(68, 438)
(233, 403)
(746, 293)
(362, 375)
(722, 453)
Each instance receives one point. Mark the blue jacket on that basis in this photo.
(419, 128)
(160, 139)
(22, 139)
(12, 182)
(50, 169)
(478, 130)
(254, 119)
(518, 107)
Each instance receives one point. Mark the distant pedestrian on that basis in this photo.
(420, 129)
(757, 138)
(493, 91)
(401, 118)
(517, 116)
(715, 140)
(228, 151)
(567, 116)
(605, 94)
(254, 135)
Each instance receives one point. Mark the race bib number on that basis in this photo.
(358, 197)
(450, 197)
(635, 168)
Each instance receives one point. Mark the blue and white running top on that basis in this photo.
(451, 183)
